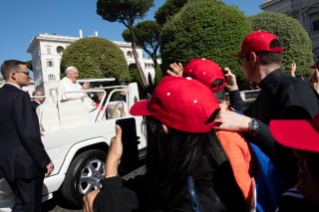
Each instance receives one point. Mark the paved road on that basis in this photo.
(58, 205)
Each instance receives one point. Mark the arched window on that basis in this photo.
(59, 49)
(129, 54)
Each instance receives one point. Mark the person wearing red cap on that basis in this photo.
(303, 137)
(281, 97)
(181, 143)
(234, 143)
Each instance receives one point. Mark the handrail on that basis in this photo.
(83, 91)
(108, 100)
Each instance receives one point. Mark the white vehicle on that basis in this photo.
(77, 142)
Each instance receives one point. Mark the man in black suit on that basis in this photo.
(23, 160)
(37, 100)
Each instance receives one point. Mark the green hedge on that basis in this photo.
(205, 29)
(297, 44)
(96, 57)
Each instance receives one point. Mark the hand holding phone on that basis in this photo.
(115, 153)
(129, 159)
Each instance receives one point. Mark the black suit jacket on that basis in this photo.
(22, 154)
(34, 105)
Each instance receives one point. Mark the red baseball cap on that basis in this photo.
(257, 42)
(183, 104)
(312, 66)
(205, 71)
(297, 134)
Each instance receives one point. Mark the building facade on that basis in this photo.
(305, 11)
(47, 50)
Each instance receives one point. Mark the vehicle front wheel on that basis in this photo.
(83, 176)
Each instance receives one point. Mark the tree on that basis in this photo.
(168, 9)
(147, 34)
(205, 29)
(296, 42)
(125, 12)
(29, 64)
(96, 57)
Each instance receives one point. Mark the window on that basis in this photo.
(51, 77)
(49, 63)
(59, 50)
(48, 50)
(315, 25)
(129, 54)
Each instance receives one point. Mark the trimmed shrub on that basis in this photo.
(205, 29)
(96, 57)
(297, 44)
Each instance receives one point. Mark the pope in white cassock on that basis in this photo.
(68, 83)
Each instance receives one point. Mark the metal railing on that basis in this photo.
(251, 95)
(84, 91)
(246, 95)
(109, 98)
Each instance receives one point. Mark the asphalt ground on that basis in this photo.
(56, 204)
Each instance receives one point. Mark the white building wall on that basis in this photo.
(41, 56)
(305, 11)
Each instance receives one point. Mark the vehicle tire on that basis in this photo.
(83, 176)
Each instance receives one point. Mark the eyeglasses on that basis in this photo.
(240, 59)
(24, 72)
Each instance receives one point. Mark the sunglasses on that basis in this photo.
(240, 59)
(23, 72)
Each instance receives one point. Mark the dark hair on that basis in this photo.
(313, 161)
(9, 66)
(174, 156)
(220, 95)
(267, 57)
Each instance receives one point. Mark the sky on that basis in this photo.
(22, 20)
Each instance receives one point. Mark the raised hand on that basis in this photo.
(231, 83)
(86, 86)
(293, 68)
(177, 70)
(115, 153)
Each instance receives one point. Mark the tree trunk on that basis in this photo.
(136, 58)
(154, 57)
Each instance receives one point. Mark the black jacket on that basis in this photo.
(118, 195)
(34, 105)
(281, 97)
(22, 154)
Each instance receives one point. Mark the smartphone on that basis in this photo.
(129, 160)
(193, 196)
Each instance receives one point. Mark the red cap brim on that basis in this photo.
(140, 108)
(296, 134)
(238, 55)
(312, 66)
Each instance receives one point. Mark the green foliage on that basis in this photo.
(29, 64)
(147, 35)
(168, 9)
(96, 57)
(297, 44)
(135, 77)
(124, 11)
(158, 74)
(205, 29)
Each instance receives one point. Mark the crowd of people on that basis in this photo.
(260, 158)
(191, 131)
